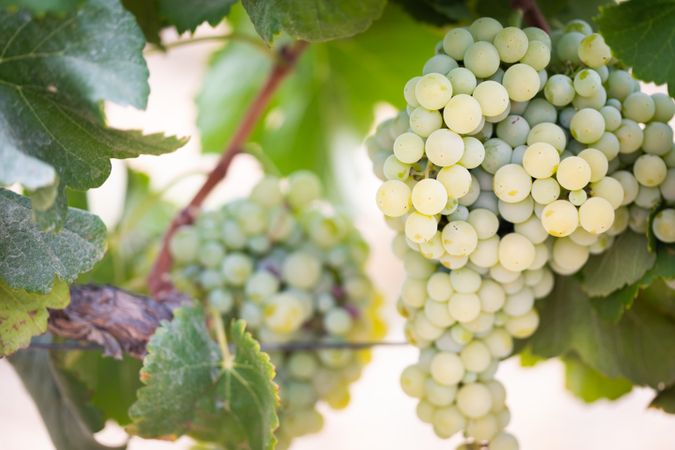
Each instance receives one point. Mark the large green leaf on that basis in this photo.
(186, 16)
(590, 385)
(623, 264)
(189, 387)
(30, 258)
(17, 167)
(57, 401)
(41, 6)
(437, 12)
(332, 92)
(640, 347)
(147, 17)
(112, 384)
(53, 73)
(24, 314)
(641, 34)
(665, 400)
(322, 20)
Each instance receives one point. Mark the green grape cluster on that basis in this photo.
(519, 155)
(293, 268)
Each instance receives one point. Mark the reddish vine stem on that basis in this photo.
(158, 282)
(531, 13)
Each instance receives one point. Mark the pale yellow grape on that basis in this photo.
(595, 101)
(610, 189)
(459, 238)
(559, 90)
(482, 59)
(541, 160)
(497, 118)
(593, 51)
(667, 188)
(413, 292)
(393, 198)
(429, 196)
(511, 44)
(650, 170)
(504, 441)
(597, 161)
(485, 29)
(453, 262)
(395, 170)
(663, 225)
(412, 381)
(433, 91)
(444, 147)
(475, 356)
(516, 252)
(648, 197)
(569, 256)
(549, 133)
(596, 215)
(486, 253)
(448, 421)
(515, 286)
(639, 217)
(438, 314)
(409, 92)
(409, 148)
(423, 121)
(516, 212)
(492, 296)
(446, 368)
(464, 307)
(519, 303)
(474, 400)
(502, 274)
(630, 186)
(283, 313)
(499, 342)
(484, 221)
(462, 114)
(621, 218)
(425, 411)
(439, 63)
(522, 82)
(523, 326)
(439, 287)
(420, 227)
(578, 197)
(560, 218)
(664, 107)
(425, 329)
(456, 180)
(463, 81)
(492, 97)
(658, 138)
(484, 428)
(532, 229)
(573, 173)
(587, 82)
(587, 125)
(538, 55)
(438, 394)
(608, 144)
(456, 41)
(612, 117)
(630, 136)
(545, 191)
(465, 281)
(511, 183)
(639, 107)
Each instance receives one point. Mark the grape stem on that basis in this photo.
(531, 13)
(218, 327)
(159, 284)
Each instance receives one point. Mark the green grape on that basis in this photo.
(658, 138)
(587, 82)
(664, 107)
(456, 42)
(511, 44)
(522, 82)
(482, 58)
(620, 84)
(184, 245)
(439, 64)
(538, 111)
(303, 188)
(559, 90)
(538, 55)
(639, 107)
(485, 29)
(593, 51)
(567, 47)
(463, 81)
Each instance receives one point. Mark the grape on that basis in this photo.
(301, 270)
(394, 198)
(459, 238)
(541, 160)
(303, 188)
(516, 212)
(420, 228)
(578, 197)
(409, 92)
(395, 170)
(456, 42)
(664, 107)
(482, 58)
(609, 145)
(184, 245)
(484, 222)
(447, 368)
(513, 130)
(548, 133)
(560, 218)
(512, 183)
(462, 114)
(663, 225)
(612, 117)
(440, 64)
(474, 153)
(597, 161)
(485, 29)
(475, 356)
(516, 252)
(559, 90)
(408, 148)
(629, 185)
(522, 82)
(596, 215)
(610, 189)
(456, 180)
(630, 136)
(593, 51)
(504, 441)
(538, 111)
(649, 170)
(465, 281)
(463, 81)
(639, 107)
(474, 400)
(486, 253)
(261, 285)
(429, 196)
(448, 421)
(511, 43)
(658, 138)
(444, 147)
(497, 154)
(620, 85)
(423, 121)
(587, 125)
(545, 191)
(537, 34)
(538, 55)
(667, 188)
(587, 82)
(573, 173)
(567, 46)
(433, 91)
(569, 256)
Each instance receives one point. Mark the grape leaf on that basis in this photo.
(30, 258)
(24, 314)
(640, 347)
(186, 380)
(112, 384)
(53, 73)
(52, 395)
(436, 12)
(186, 16)
(17, 167)
(623, 264)
(41, 6)
(665, 400)
(589, 385)
(323, 20)
(326, 96)
(147, 17)
(642, 35)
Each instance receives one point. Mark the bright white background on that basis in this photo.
(545, 416)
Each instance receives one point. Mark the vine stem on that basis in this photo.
(532, 13)
(158, 282)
